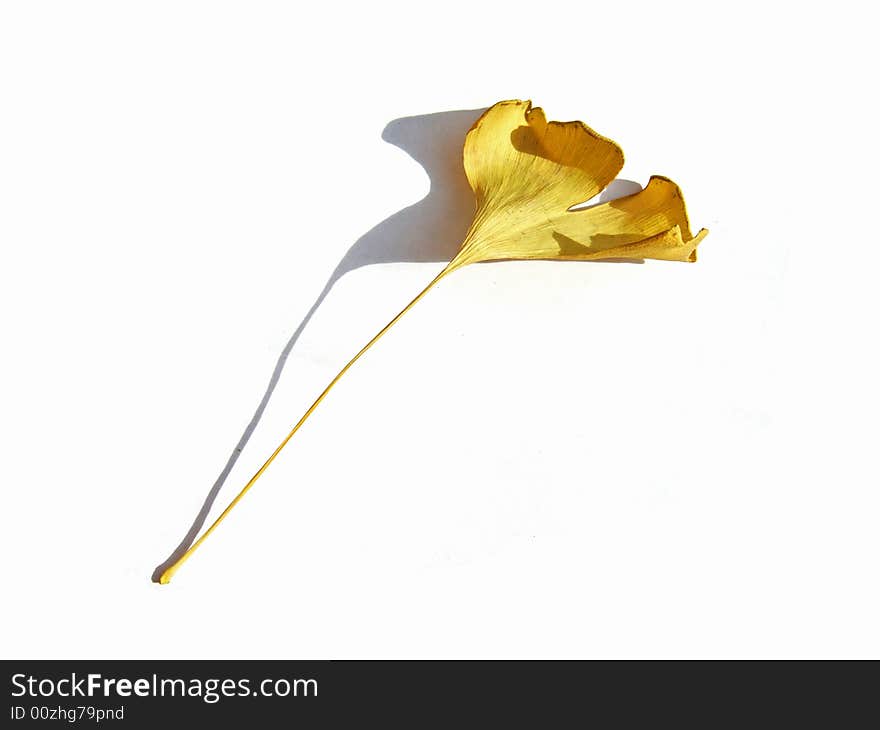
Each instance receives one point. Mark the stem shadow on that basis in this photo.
(430, 230)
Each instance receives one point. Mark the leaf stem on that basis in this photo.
(172, 569)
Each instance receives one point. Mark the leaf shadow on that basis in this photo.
(430, 230)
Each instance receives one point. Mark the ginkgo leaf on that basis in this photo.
(528, 175)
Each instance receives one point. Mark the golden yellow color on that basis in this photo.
(527, 174)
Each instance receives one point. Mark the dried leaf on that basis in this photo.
(527, 175)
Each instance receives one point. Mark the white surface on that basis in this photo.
(541, 460)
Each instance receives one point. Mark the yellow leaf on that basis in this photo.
(527, 175)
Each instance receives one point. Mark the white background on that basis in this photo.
(541, 459)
